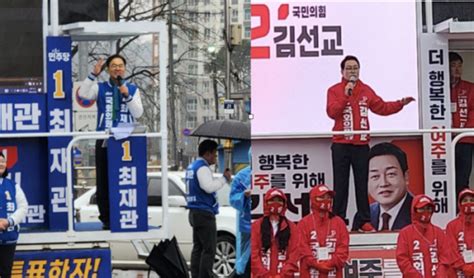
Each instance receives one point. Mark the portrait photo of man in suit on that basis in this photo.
(388, 186)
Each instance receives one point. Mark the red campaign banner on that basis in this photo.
(303, 44)
(372, 263)
(297, 165)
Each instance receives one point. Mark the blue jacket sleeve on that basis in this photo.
(240, 183)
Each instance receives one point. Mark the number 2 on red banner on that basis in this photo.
(126, 151)
(262, 11)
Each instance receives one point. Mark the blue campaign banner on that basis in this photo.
(27, 166)
(23, 113)
(63, 263)
(57, 161)
(59, 91)
(58, 71)
(127, 184)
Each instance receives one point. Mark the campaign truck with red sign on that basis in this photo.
(296, 54)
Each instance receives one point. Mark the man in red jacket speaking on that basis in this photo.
(348, 104)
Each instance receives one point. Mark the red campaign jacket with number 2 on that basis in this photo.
(460, 235)
(274, 264)
(351, 113)
(317, 232)
(422, 252)
(462, 103)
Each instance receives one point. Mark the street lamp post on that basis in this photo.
(212, 50)
(227, 44)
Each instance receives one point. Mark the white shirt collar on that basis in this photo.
(274, 227)
(202, 158)
(393, 213)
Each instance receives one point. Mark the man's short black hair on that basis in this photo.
(348, 58)
(5, 174)
(390, 149)
(454, 56)
(109, 60)
(207, 146)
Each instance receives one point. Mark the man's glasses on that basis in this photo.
(351, 68)
(113, 66)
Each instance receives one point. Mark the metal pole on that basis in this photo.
(83, 65)
(164, 129)
(45, 34)
(55, 17)
(214, 87)
(227, 47)
(156, 84)
(174, 139)
(429, 15)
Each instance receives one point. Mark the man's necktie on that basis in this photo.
(385, 221)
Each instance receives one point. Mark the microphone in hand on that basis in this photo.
(352, 80)
(119, 80)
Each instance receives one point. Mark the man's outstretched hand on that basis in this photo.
(407, 100)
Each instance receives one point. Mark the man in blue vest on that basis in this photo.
(117, 102)
(203, 207)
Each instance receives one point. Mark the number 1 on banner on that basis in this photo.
(58, 85)
(126, 151)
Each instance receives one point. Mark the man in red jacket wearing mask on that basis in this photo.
(348, 104)
(274, 240)
(422, 248)
(460, 234)
(323, 238)
(462, 109)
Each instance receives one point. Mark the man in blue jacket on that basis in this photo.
(117, 102)
(240, 200)
(203, 207)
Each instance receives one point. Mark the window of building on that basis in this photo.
(207, 16)
(191, 104)
(205, 103)
(191, 121)
(247, 32)
(192, 54)
(192, 84)
(192, 69)
(207, 33)
(206, 85)
(247, 14)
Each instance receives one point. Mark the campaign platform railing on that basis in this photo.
(74, 236)
(389, 239)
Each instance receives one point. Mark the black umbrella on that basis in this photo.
(167, 260)
(224, 129)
